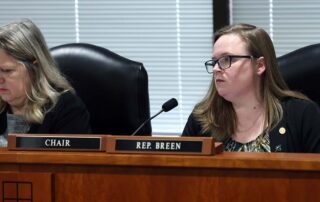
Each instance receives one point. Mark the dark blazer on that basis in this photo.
(298, 131)
(69, 116)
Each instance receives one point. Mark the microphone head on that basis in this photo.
(170, 104)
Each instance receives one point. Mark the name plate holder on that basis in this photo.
(163, 145)
(57, 142)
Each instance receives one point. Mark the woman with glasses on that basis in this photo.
(34, 96)
(248, 106)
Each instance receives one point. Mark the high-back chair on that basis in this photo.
(114, 88)
(301, 70)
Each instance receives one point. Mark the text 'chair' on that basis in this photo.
(301, 71)
(114, 88)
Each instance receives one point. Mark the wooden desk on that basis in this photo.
(98, 176)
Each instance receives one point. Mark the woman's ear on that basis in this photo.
(261, 65)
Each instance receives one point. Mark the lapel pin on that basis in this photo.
(282, 130)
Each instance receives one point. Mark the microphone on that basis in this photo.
(167, 106)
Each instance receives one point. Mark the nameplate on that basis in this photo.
(61, 142)
(163, 145)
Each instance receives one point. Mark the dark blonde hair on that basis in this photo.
(217, 115)
(24, 41)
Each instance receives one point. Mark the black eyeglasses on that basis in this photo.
(224, 62)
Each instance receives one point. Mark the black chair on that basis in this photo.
(114, 88)
(301, 71)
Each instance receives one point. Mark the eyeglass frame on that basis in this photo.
(215, 61)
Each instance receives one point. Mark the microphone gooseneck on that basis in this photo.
(167, 106)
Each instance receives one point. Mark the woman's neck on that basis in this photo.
(250, 121)
(18, 109)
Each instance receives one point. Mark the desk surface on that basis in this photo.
(242, 160)
(99, 176)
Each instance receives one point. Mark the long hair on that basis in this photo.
(217, 115)
(24, 41)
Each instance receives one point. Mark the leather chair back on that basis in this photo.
(301, 71)
(114, 88)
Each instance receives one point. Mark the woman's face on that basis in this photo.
(14, 81)
(241, 79)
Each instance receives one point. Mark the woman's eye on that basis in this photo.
(225, 59)
(6, 70)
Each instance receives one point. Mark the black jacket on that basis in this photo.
(69, 116)
(301, 121)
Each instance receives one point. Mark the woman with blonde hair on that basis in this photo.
(249, 106)
(34, 96)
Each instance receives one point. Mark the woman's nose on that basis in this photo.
(216, 68)
(1, 78)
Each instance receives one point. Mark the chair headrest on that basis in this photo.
(301, 70)
(114, 88)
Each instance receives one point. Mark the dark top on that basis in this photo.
(298, 131)
(69, 116)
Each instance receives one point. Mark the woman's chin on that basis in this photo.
(225, 96)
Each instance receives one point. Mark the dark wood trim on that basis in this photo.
(221, 14)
